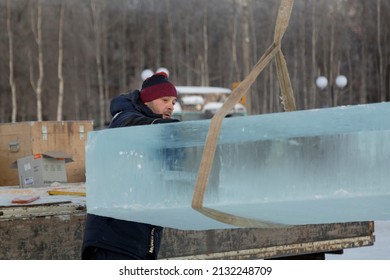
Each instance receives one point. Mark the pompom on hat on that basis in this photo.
(157, 86)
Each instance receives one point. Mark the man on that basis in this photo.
(109, 238)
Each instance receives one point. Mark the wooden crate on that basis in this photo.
(26, 138)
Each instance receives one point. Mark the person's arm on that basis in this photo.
(127, 118)
(158, 120)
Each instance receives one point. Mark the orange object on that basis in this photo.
(24, 199)
(37, 156)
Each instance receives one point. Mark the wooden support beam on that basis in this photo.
(282, 21)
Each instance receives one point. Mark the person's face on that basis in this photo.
(163, 106)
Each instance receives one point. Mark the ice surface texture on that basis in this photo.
(302, 167)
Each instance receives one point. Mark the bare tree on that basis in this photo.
(303, 54)
(187, 53)
(36, 27)
(333, 97)
(11, 64)
(96, 21)
(105, 50)
(122, 38)
(364, 64)
(205, 56)
(235, 66)
(60, 60)
(314, 70)
(246, 49)
(380, 53)
(170, 27)
(105, 54)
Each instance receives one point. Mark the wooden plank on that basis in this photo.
(39, 137)
(252, 243)
(66, 137)
(66, 193)
(17, 134)
(307, 250)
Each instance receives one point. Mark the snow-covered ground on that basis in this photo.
(379, 251)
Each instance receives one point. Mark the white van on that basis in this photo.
(197, 103)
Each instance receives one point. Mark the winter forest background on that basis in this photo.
(65, 59)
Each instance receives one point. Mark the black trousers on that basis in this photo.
(108, 238)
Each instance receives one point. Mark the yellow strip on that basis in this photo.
(66, 193)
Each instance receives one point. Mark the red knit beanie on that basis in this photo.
(157, 86)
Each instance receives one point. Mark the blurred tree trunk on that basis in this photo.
(302, 39)
(246, 39)
(363, 85)
(187, 54)
(255, 88)
(76, 96)
(11, 64)
(235, 66)
(385, 8)
(97, 30)
(297, 64)
(89, 93)
(381, 89)
(333, 96)
(106, 74)
(60, 64)
(123, 46)
(153, 43)
(272, 85)
(246, 51)
(314, 69)
(170, 27)
(205, 56)
(364, 71)
(36, 28)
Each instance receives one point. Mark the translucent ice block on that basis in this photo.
(303, 167)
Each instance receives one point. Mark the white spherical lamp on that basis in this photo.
(322, 82)
(341, 81)
(146, 74)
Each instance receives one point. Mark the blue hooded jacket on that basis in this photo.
(124, 239)
(128, 110)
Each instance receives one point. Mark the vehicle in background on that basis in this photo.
(198, 103)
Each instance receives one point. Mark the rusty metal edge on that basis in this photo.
(285, 250)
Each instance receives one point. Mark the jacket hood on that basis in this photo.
(124, 102)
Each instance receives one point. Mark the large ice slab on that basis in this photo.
(303, 167)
